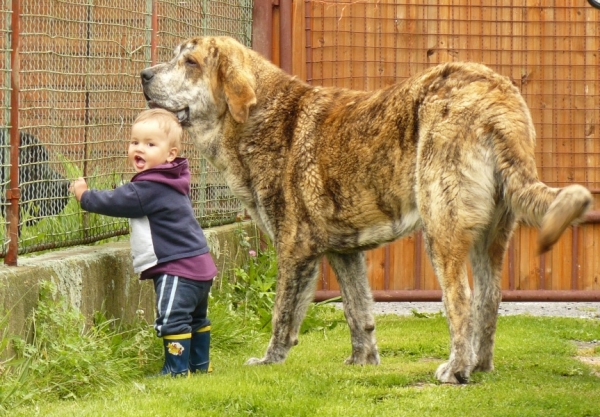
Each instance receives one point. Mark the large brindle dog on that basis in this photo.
(333, 172)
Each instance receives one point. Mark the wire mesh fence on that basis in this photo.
(550, 50)
(79, 91)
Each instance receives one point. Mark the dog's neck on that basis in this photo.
(207, 137)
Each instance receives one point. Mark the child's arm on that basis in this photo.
(121, 202)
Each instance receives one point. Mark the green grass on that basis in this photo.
(536, 375)
(66, 367)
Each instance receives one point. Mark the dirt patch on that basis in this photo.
(587, 353)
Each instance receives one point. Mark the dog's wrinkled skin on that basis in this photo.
(332, 172)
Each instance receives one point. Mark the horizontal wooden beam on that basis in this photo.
(507, 295)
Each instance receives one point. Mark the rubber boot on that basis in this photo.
(177, 354)
(199, 352)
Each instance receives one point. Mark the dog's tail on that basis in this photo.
(550, 209)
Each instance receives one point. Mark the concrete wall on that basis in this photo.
(101, 278)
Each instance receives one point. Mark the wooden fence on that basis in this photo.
(551, 52)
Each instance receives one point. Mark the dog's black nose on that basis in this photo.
(146, 75)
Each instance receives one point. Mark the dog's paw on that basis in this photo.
(446, 375)
(368, 359)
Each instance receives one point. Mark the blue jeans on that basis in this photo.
(181, 304)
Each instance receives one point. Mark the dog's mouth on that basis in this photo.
(182, 115)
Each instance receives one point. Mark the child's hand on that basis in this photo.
(78, 187)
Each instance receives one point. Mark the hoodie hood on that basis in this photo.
(175, 174)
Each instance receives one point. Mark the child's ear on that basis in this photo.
(173, 152)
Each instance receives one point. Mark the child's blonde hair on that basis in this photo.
(167, 121)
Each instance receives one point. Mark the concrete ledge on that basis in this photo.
(101, 278)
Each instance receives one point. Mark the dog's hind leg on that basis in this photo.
(487, 256)
(448, 256)
(296, 281)
(452, 276)
(351, 273)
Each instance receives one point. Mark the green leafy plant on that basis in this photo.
(251, 287)
(64, 357)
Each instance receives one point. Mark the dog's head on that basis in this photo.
(207, 77)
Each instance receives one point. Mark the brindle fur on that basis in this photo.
(332, 172)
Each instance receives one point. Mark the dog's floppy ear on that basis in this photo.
(237, 85)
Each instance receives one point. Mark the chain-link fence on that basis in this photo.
(75, 71)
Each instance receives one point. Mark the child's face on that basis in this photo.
(149, 146)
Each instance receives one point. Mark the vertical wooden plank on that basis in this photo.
(577, 105)
(299, 39)
(402, 260)
(534, 260)
(404, 41)
(413, 49)
(370, 33)
(476, 31)
(326, 45)
(376, 268)
(546, 132)
(462, 28)
(314, 67)
(593, 277)
(430, 24)
(343, 15)
(532, 78)
(357, 56)
(522, 257)
(589, 259)
(388, 61)
(507, 265)
(419, 55)
(567, 250)
(444, 38)
(488, 30)
(563, 131)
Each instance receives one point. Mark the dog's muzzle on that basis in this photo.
(183, 115)
(146, 76)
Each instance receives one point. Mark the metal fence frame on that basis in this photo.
(165, 23)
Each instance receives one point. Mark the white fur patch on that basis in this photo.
(388, 232)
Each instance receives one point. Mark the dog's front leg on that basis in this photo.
(351, 272)
(295, 291)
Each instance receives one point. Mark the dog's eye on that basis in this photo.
(190, 62)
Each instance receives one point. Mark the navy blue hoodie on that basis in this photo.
(157, 203)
